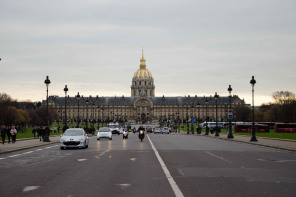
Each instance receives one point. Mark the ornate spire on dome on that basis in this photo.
(143, 61)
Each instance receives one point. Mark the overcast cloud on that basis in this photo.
(192, 47)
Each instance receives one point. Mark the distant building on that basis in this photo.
(142, 106)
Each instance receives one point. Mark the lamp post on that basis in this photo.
(230, 124)
(46, 133)
(98, 116)
(93, 118)
(102, 116)
(192, 118)
(86, 102)
(207, 128)
(65, 121)
(187, 123)
(78, 119)
(178, 121)
(216, 99)
(253, 139)
(198, 128)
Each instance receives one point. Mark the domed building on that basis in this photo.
(142, 82)
(142, 106)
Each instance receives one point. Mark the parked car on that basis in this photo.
(165, 130)
(74, 138)
(104, 132)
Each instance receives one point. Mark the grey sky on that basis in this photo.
(192, 47)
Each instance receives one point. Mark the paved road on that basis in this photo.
(200, 166)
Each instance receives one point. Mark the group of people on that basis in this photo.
(10, 132)
(40, 132)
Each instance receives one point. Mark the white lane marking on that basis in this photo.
(125, 185)
(81, 159)
(30, 188)
(218, 157)
(28, 152)
(38, 149)
(103, 153)
(171, 180)
(15, 155)
(133, 159)
(2, 158)
(180, 171)
(281, 161)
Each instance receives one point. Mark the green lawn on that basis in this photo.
(271, 133)
(27, 132)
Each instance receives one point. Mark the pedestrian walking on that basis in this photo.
(34, 131)
(41, 133)
(13, 133)
(8, 133)
(3, 133)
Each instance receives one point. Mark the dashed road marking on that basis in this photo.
(30, 188)
(218, 157)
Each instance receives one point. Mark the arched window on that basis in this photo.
(140, 82)
(145, 83)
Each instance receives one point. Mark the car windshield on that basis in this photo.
(73, 132)
(104, 130)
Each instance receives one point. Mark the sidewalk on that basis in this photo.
(22, 144)
(283, 144)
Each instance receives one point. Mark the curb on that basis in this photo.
(28, 147)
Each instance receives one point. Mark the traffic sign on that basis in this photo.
(229, 116)
(229, 111)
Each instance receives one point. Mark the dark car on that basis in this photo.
(149, 130)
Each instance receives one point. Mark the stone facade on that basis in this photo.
(142, 105)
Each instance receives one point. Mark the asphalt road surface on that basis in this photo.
(192, 166)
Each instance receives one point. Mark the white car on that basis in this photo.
(165, 130)
(74, 138)
(157, 130)
(104, 132)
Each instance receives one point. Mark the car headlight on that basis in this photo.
(82, 140)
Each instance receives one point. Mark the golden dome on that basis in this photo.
(143, 72)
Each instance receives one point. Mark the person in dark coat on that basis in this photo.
(8, 134)
(3, 133)
(34, 131)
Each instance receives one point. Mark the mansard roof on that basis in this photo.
(125, 101)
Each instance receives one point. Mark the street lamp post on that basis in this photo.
(93, 118)
(198, 128)
(86, 102)
(253, 139)
(102, 116)
(78, 118)
(230, 124)
(98, 117)
(216, 99)
(65, 121)
(192, 117)
(46, 133)
(207, 128)
(187, 123)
